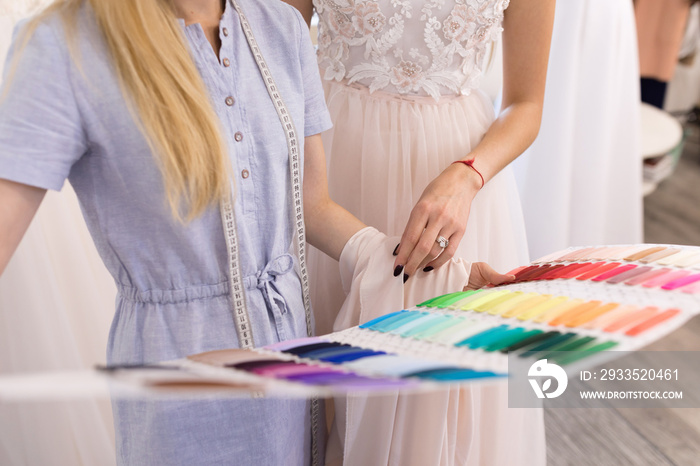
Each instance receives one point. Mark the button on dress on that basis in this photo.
(60, 122)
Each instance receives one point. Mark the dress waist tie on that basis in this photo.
(265, 281)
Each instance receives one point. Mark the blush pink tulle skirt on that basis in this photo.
(382, 152)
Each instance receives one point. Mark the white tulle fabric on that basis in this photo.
(581, 180)
(468, 426)
(408, 46)
(56, 305)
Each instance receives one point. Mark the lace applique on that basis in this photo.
(408, 46)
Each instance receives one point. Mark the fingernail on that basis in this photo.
(405, 277)
(395, 250)
(428, 268)
(398, 270)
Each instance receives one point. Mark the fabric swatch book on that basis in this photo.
(575, 307)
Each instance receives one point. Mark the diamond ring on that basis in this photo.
(442, 242)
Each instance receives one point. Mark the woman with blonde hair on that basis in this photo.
(185, 127)
(159, 121)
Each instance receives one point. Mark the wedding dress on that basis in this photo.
(401, 79)
(581, 180)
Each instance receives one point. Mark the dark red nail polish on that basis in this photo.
(398, 270)
(428, 268)
(396, 250)
(405, 277)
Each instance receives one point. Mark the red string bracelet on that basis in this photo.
(470, 163)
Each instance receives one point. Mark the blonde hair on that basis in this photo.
(165, 93)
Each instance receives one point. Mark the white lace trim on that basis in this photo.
(365, 41)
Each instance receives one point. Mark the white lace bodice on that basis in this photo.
(418, 47)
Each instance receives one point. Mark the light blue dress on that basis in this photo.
(59, 122)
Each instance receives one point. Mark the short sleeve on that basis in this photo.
(41, 134)
(316, 116)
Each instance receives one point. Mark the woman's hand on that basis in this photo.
(442, 210)
(483, 274)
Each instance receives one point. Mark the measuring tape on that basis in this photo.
(243, 327)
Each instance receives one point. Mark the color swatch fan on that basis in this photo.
(571, 307)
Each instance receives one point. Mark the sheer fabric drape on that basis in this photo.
(581, 180)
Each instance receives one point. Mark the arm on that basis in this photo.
(19, 204)
(41, 130)
(443, 208)
(328, 226)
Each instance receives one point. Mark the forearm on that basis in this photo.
(510, 134)
(329, 227)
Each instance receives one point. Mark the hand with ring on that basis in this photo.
(437, 222)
